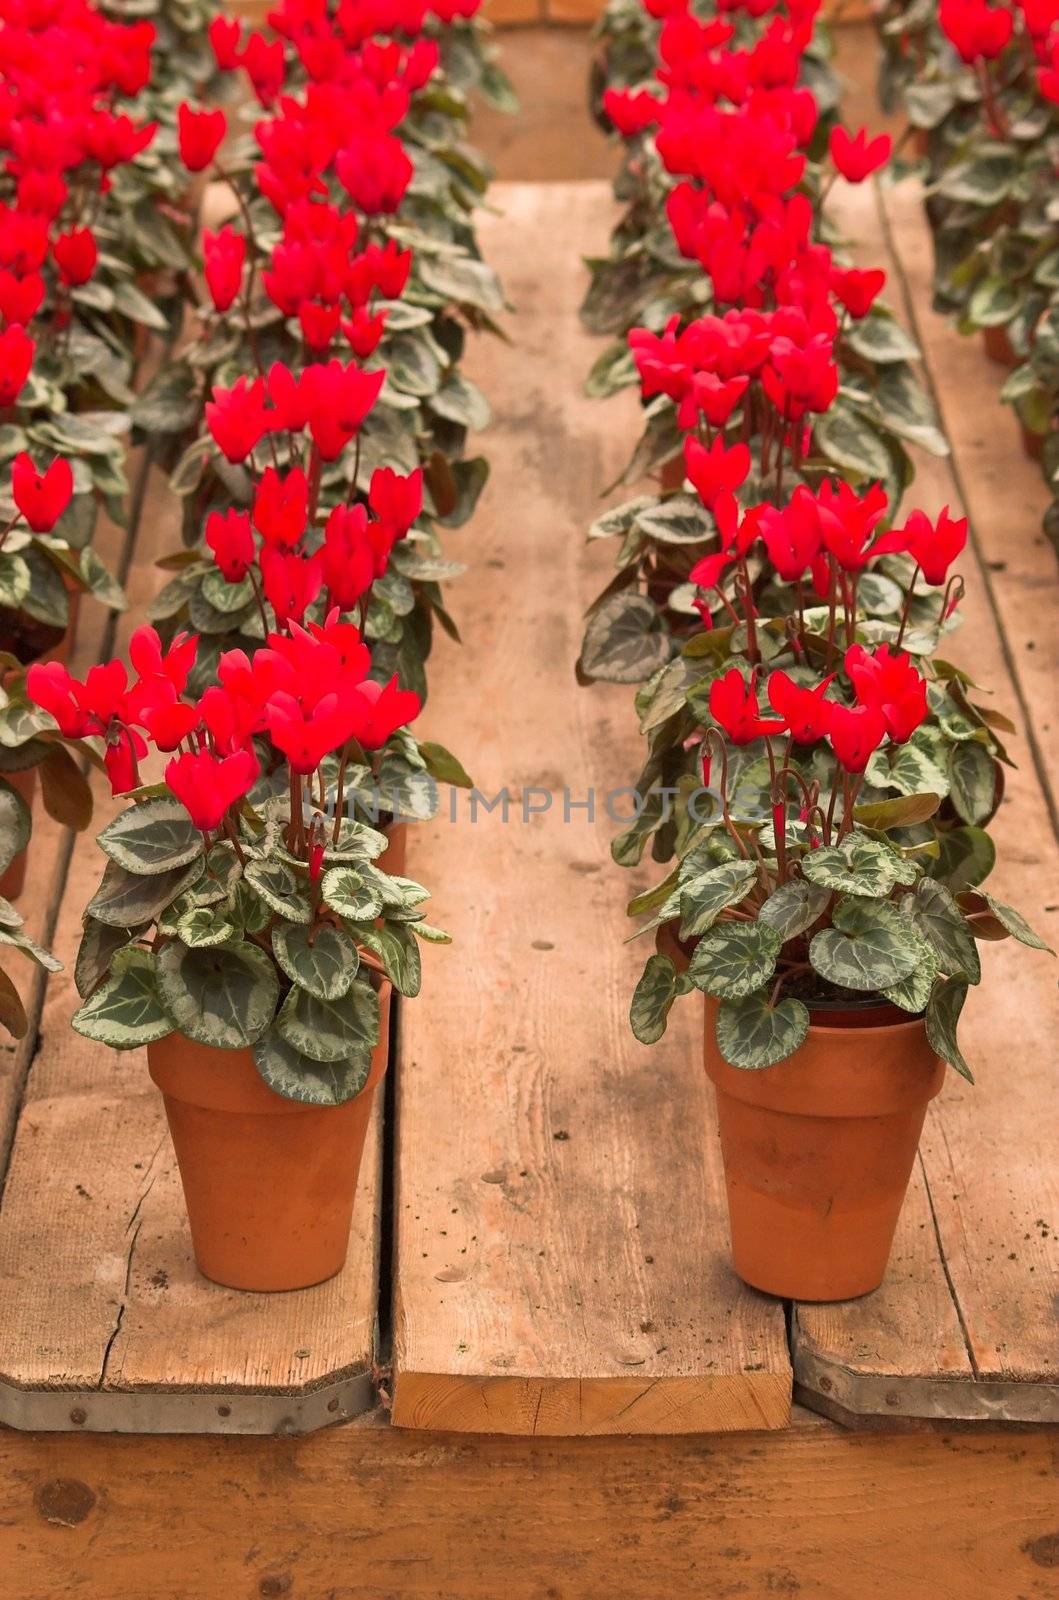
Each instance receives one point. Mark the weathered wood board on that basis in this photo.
(964, 1325)
(561, 1237)
(366, 1512)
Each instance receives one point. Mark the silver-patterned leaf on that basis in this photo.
(15, 825)
(225, 997)
(330, 1030)
(751, 1034)
(705, 896)
(935, 914)
(869, 947)
(281, 888)
(735, 959)
(973, 780)
(202, 927)
(652, 998)
(858, 866)
(127, 1010)
(794, 906)
(154, 836)
(347, 893)
(322, 960)
(128, 899)
(315, 1083)
(396, 949)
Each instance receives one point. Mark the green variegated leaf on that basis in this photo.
(751, 1034)
(1015, 923)
(223, 872)
(356, 842)
(735, 959)
(936, 916)
(316, 1083)
(858, 866)
(201, 927)
(973, 781)
(330, 1030)
(9, 917)
(247, 910)
(224, 997)
(281, 888)
(99, 942)
(917, 767)
(966, 858)
(625, 640)
(396, 949)
(346, 891)
(869, 947)
(913, 992)
(129, 899)
(652, 998)
(943, 1015)
(15, 824)
(681, 519)
(127, 1010)
(20, 940)
(432, 935)
(322, 960)
(704, 897)
(793, 907)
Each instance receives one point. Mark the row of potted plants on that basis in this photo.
(253, 918)
(818, 777)
(980, 84)
(92, 214)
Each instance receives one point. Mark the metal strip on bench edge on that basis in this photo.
(156, 1411)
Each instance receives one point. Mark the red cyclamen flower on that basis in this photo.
(41, 497)
(200, 134)
(856, 156)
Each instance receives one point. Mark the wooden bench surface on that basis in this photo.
(559, 1248)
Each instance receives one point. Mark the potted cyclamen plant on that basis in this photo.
(243, 931)
(834, 969)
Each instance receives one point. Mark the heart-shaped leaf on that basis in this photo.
(129, 899)
(281, 888)
(903, 812)
(704, 897)
(735, 959)
(858, 866)
(752, 1034)
(973, 779)
(322, 960)
(348, 893)
(398, 953)
(794, 906)
(330, 1030)
(224, 997)
(935, 914)
(15, 825)
(127, 1010)
(315, 1083)
(868, 948)
(154, 836)
(1012, 921)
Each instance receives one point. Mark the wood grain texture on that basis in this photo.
(367, 1512)
(562, 1241)
(964, 1325)
(105, 1315)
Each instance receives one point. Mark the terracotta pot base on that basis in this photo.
(269, 1183)
(818, 1151)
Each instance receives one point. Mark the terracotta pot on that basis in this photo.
(998, 347)
(919, 143)
(673, 474)
(269, 1183)
(1032, 443)
(394, 856)
(818, 1151)
(12, 881)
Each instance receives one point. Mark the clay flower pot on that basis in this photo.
(269, 1183)
(395, 855)
(818, 1151)
(998, 347)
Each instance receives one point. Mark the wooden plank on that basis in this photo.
(107, 1324)
(963, 1326)
(366, 1512)
(561, 1262)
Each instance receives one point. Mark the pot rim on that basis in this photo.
(907, 1022)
